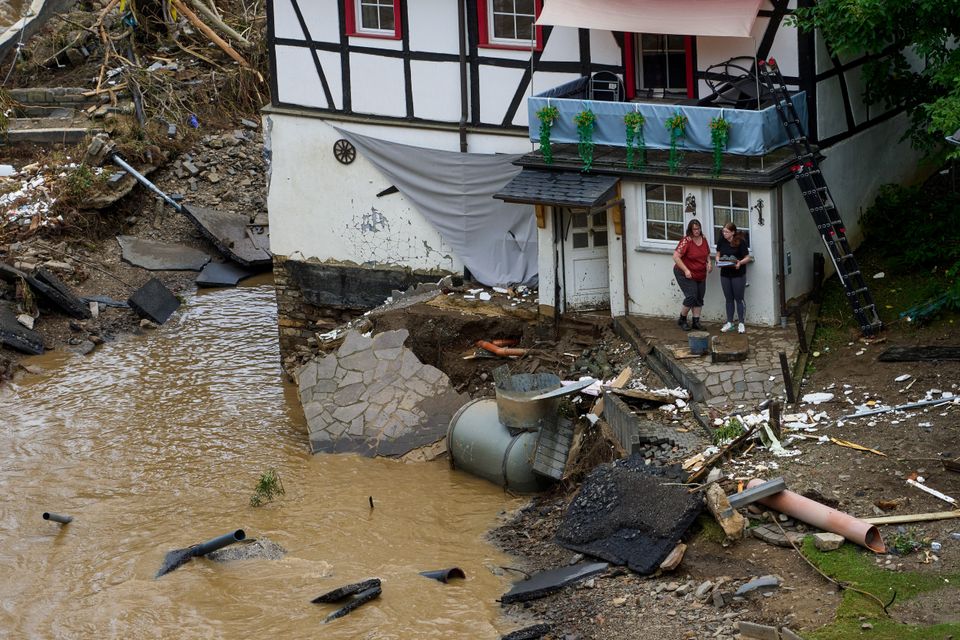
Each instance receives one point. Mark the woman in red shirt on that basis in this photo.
(691, 265)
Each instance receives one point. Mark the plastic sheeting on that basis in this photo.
(752, 133)
(453, 191)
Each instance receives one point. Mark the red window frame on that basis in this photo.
(630, 47)
(485, 30)
(350, 12)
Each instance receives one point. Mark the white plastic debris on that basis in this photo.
(879, 275)
(500, 290)
(7, 170)
(902, 378)
(485, 296)
(817, 398)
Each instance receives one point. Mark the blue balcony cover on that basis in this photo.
(752, 133)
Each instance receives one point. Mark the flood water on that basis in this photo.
(11, 11)
(156, 442)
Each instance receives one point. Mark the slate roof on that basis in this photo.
(562, 188)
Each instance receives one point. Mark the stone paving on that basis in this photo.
(373, 396)
(752, 380)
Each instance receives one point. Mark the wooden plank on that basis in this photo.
(639, 394)
(914, 354)
(917, 517)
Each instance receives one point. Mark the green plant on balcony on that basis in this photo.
(719, 136)
(547, 116)
(636, 145)
(677, 126)
(585, 121)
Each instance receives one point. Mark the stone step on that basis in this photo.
(55, 96)
(49, 135)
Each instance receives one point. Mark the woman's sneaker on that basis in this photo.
(727, 327)
(741, 328)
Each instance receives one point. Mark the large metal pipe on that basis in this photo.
(219, 542)
(120, 162)
(823, 517)
(479, 444)
(56, 517)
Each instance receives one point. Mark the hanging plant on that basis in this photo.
(585, 121)
(677, 125)
(636, 145)
(547, 116)
(719, 135)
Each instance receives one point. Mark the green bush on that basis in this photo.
(912, 225)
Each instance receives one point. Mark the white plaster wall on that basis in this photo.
(436, 90)
(831, 119)
(861, 111)
(544, 80)
(603, 48)
(322, 19)
(285, 21)
(376, 85)
(297, 79)
(854, 169)
(547, 260)
(322, 209)
(423, 16)
(563, 45)
(615, 271)
(497, 86)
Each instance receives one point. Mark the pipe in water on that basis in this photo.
(481, 445)
(823, 517)
(56, 517)
(219, 542)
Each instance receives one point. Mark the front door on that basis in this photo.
(586, 269)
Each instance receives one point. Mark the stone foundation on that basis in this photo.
(315, 297)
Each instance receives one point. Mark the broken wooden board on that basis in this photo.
(917, 517)
(915, 354)
(244, 243)
(641, 394)
(681, 353)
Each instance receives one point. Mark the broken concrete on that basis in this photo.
(828, 541)
(50, 290)
(374, 397)
(222, 274)
(762, 584)
(154, 302)
(233, 235)
(161, 256)
(547, 582)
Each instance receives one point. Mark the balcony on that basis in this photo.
(753, 132)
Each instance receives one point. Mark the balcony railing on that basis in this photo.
(752, 132)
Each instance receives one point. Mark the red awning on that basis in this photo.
(733, 18)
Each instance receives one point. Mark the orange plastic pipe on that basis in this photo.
(823, 517)
(501, 351)
(505, 342)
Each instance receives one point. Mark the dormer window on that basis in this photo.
(373, 18)
(509, 24)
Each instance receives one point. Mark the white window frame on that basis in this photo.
(358, 13)
(642, 201)
(492, 26)
(716, 223)
(661, 91)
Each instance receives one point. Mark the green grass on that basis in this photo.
(851, 565)
(898, 291)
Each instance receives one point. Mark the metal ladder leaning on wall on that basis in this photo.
(820, 202)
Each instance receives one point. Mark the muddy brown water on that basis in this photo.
(155, 442)
(11, 11)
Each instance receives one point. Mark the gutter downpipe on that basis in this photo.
(823, 517)
(464, 110)
(781, 269)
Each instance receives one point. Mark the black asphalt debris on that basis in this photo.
(547, 582)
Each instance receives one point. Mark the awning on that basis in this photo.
(732, 18)
(559, 188)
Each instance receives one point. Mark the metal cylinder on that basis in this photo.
(56, 517)
(219, 542)
(823, 517)
(479, 444)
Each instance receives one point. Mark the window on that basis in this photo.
(373, 18)
(589, 231)
(663, 64)
(730, 206)
(509, 24)
(664, 212)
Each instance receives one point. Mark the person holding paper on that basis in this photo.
(733, 255)
(691, 264)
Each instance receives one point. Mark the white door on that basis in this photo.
(586, 268)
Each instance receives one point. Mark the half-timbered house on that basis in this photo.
(404, 143)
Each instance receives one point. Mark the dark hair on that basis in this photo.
(738, 236)
(690, 228)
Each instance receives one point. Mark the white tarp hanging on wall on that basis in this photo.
(454, 192)
(732, 18)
